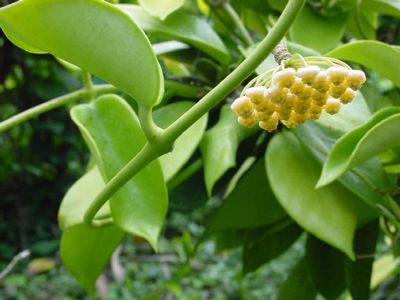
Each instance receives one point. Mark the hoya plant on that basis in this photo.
(289, 109)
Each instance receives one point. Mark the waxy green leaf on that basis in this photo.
(219, 146)
(326, 267)
(161, 9)
(113, 134)
(85, 251)
(186, 144)
(388, 7)
(181, 26)
(298, 285)
(78, 199)
(331, 213)
(377, 56)
(91, 34)
(267, 246)
(250, 204)
(317, 31)
(361, 144)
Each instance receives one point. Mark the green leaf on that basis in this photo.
(267, 246)
(358, 273)
(387, 7)
(85, 251)
(317, 31)
(78, 199)
(361, 144)
(186, 144)
(251, 204)
(298, 285)
(219, 146)
(113, 134)
(326, 267)
(330, 213)
(161, 9)
(377, 56)
(181, 26)
(91, 34)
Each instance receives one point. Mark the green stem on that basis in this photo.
(166, 139)
(88, 85)
(52, 104)
(150, 129)
(238, 23)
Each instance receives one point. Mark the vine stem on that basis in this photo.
(54, 103)
(238, 23)
(163, 142)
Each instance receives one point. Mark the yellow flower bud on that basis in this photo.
(271, 124)
(332, 106)
(314, 112)
(321, 82)
(337, 74)
(308, 74)
(347, 96)
(356, 79)
(337, 91)
(298, 118)
(319, 98)
(256, 94)
(306, 93)
(277, 94)
(297, 86)
(262, 116)
(242, 107)
(266, 107)
(301, 106)
(284, 78)
(283, 111)
(249, 121)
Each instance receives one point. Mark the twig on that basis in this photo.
(16, 259)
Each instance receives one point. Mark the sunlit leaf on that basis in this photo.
(113, 134)
(91, 34)
(161, 9)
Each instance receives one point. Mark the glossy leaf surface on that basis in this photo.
(78, 199)
(113, 134)
(86, 251)
(105, 41)
(361, 144)
(330, 213)
(181, 26)
(219, 146)
(268, 246)
(161, 9)
(377, 56)
(250, 204)
(388, 7)
(186, 144)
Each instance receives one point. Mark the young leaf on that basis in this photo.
(251, 204)
(377, 56)
(85, 251)
(183, 27)
(317, 31)
(326, 267)
(91, 34)
(268, 246)
(362, 143)
(78, 199)
(358, 273)
(219, 146)
(387, 7)
(113, 134)
(186, 144)
(298, 285)
(161, 9)
(331, 213)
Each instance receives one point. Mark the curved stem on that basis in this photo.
(166, 139)
(238, 23)
(88, 85)
(52, 104)
(150, 129)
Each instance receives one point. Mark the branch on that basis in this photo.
(16, 259)
(165, 140)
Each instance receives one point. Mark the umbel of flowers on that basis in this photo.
(298, 90)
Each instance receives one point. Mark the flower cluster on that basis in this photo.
(294, 96)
